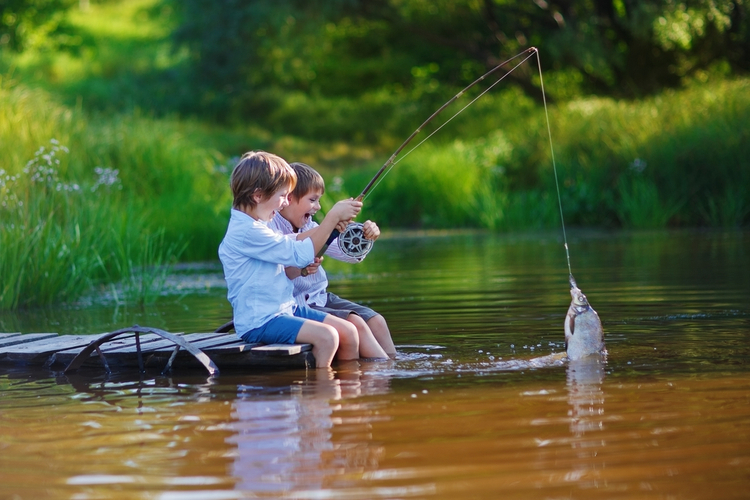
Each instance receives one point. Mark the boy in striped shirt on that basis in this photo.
(311, 283)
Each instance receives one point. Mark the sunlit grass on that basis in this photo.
(67, 231)
(123, 20)
(60, 238)
(678, 159)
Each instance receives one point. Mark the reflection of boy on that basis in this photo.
(254, 257)
(310, 290)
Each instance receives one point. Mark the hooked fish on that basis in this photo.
(583, 328)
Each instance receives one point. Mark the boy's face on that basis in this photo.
(266, 209)
(300, 211)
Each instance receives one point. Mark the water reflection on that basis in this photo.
(586, 411)
(467, 410)
(306, 439)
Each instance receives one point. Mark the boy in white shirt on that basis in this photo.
(310, 283)
(254, 257)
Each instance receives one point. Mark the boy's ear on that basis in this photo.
(257, 196)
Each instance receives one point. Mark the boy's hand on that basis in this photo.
(371, 230)
(312, 268)
(345, 210)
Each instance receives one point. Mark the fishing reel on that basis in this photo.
(353, 242)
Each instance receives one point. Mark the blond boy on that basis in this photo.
(254, 257)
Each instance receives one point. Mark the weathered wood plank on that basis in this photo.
(241, 357)
(165, 345)
(65, 356)
(24, 338)
(123, 352)
(281, 349)
(41, 350)
(224, 340)
(152, 345)
(126, 345)
(226, 350)
(235, 355)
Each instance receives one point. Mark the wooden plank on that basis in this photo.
(282, 349)
(125, 354)
(128, 341)
(163, 344)
(255, 359)
(41, 350)
(222, 341)
(65, 356)
(244, 357)
(227, 350)
(24, 338)
(149, 342)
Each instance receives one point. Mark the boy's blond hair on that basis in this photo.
(262, 173)
(308, 180)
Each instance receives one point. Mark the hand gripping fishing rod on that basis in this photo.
(352, 241)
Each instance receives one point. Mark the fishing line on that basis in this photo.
(354, 243)
(394, 163)
(554, 166)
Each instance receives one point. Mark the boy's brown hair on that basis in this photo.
(308, 179)
(258, 171)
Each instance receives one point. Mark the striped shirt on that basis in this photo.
(311, 289)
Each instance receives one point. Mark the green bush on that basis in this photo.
(679, 159)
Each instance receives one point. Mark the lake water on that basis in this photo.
(460, 413)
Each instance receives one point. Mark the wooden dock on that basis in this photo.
(147, 349)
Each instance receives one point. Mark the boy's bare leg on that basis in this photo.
(324, 339)
(368, 344)
(382, 334)
(349, 345)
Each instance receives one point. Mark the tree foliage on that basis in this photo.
(32, 22)
(626, 48)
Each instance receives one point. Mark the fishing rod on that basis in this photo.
(352, 241)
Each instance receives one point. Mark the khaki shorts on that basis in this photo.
(342, 308)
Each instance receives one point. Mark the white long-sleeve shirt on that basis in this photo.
(311, 289)
(254, 257)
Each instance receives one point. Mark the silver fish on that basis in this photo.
(583, 328)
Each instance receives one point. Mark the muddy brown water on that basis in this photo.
(459, 414)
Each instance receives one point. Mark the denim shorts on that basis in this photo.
(342, 308)
(283, 329)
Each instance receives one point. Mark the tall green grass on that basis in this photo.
(678, 159)
(167, 174)
(60, 239)
(130, 192)
(122, 198)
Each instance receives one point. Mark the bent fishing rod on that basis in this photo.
(352, 241)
